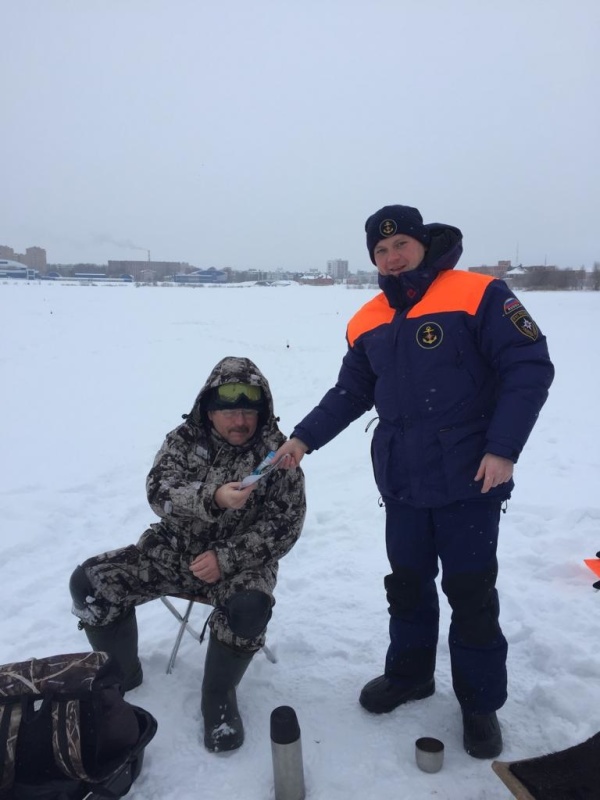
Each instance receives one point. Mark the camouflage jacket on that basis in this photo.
(195, 460)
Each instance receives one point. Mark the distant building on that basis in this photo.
(160, 269)
(210, 275)
(536, 276)
(14, 269)
(499, 271)
(34, 257)
(338, 269)
(316, 279)
(363, 278)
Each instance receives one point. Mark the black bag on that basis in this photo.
(66, 732)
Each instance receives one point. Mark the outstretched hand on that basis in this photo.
(493, 471)
(294, 449)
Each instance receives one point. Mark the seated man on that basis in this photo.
(214, 539)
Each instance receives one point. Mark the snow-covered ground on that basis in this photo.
(93, 377)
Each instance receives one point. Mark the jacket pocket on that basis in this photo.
(389, 462)
(463, 448)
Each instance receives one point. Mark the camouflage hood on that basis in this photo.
(234, 370)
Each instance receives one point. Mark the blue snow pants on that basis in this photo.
(464, 537)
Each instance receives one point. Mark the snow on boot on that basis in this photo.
(223, 670)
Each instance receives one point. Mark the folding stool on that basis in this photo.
(184, 625)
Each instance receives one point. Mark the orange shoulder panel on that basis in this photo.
(453, 291)
(374, 313)
(450, 291)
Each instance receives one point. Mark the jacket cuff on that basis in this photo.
(210, 509)
(502, 451)
(225, 559)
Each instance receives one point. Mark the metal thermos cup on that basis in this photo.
(429, 754)
(286, 747)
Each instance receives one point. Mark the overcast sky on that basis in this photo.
(262, 133)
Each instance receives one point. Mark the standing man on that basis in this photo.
(458, 372)
(215, 539)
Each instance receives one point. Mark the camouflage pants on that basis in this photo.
(155, 566)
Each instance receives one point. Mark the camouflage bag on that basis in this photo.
(66, 732)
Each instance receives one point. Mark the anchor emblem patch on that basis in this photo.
(429, 335)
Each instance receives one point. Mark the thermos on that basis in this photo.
(286, 747)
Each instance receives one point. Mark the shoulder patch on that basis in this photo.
(525, 325)
(511, 305)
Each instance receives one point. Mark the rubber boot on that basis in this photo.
(382, 695)
(482, 737)
(120, 640)
(223, 670)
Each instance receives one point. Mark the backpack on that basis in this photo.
(66, 731)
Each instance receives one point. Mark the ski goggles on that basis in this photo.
(231, 393)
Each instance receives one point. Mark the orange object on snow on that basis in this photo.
(593, 564)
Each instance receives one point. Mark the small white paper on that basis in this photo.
(256, 476)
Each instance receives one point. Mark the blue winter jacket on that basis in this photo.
(455, 368)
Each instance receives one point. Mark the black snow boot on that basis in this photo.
(382, 695)
(120, 640)
(482, 735)
(223, 670)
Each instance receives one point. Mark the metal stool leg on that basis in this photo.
(269, 654)
(183, 625)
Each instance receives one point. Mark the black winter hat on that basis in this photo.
(390, 220)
